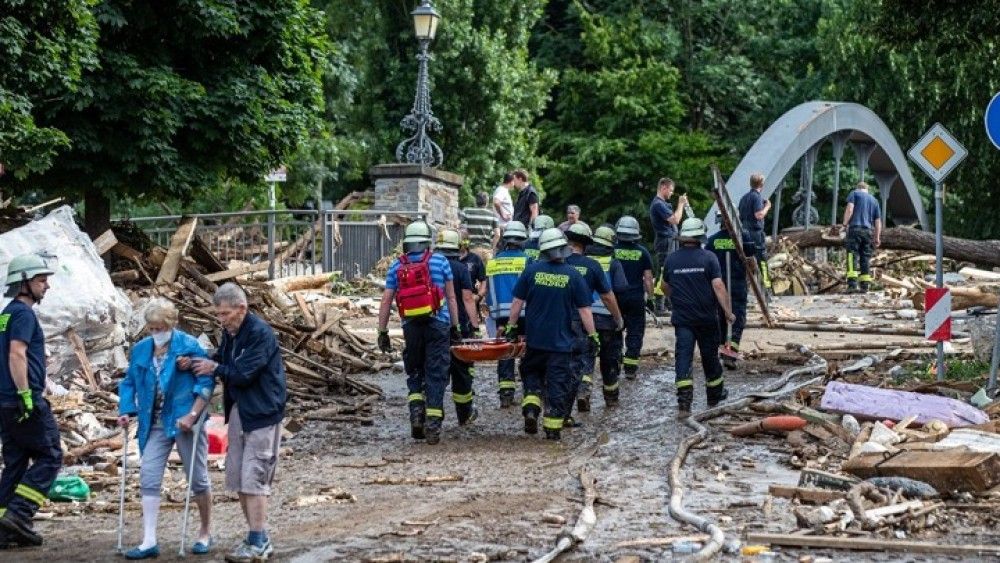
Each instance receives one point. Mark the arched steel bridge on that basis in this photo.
(796, 138)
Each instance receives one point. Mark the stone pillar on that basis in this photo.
(413, 188)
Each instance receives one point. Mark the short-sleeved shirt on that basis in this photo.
(440, 274)
(553, 292)
(689, 271)
(462, 282)
(866, 209)
(591, 271)
(635, 260)
(18, 322)
(659, 211)
(522, 207)
(474, 264)
(506, 204)
(750, 204)
(480, 223)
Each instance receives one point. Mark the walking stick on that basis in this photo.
(196, 435)
(121, 499)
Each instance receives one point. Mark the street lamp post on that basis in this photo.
(419, 148)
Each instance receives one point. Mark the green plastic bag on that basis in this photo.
(68, 488)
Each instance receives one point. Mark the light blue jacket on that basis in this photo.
(137, 390)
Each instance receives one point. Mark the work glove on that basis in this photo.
(594, 344)
(26, 407)
(455, 335)
(383, 341)
(510, 332)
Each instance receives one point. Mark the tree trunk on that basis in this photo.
(97, 213)
(983, 252)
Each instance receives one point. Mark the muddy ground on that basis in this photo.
(512, 488)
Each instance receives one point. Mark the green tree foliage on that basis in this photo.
(916, 66)
(617, 120)
(45, 46)
(484, 89)
(187, 94)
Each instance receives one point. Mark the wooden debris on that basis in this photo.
(178, 248)
(946, 470)
(415, 480)
(237, 272)
(81, 355)
(105, 242)
(874, 544)
(805, 494)
(661, 542)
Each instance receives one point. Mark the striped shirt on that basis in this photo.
(441, 273)
(480, 223)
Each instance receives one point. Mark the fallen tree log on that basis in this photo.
(983, 252)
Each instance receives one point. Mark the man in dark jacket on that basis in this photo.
(248, 362)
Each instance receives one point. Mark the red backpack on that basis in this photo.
(418, 295)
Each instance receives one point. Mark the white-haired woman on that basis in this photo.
(167, 402)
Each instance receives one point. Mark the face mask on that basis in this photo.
(161, 338)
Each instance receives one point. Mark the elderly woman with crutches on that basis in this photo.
(168, 402)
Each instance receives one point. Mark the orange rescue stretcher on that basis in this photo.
(488, 350)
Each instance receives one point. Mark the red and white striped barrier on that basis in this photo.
(937, 314)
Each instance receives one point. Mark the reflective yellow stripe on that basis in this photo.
(415, 397)
(684, 383)
(506, 265)
(587, 378)
(435, 413)
(724, 244)
(552, 423)
(472, 371)
(2, 511)
(713, 383)
(865, 277)
(735, 346)
(611, 387)
(508, 385)
(604, 261)
(851, 274)
(764, 273)
(630, 361)
(418, 312)
(30, 494)
(531, 401)
(462, 399)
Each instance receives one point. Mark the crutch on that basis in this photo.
(196, 436)
(121, 499)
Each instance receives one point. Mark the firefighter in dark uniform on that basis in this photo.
(552, 291)
(502, 272)
(862, 219)
(753, 208)
(541, 223)
(734, 276)
(449, 244)
(430, 323)
(32, 455)
(609, 327)
(693, 280)
(638, 266)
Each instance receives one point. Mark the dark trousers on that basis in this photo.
(759, 240)
(610, 356)
(860, 249)
(32, 457)
(634, 313)
(662, 247)
(506, 380)
(551, 374)
(427, 360)
(707, 339)
(461, 388)
(739, 304)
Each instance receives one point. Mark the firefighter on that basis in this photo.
(449, 244)
(501, 275)
(693, 280)
(638, 266)
(753, 208)
(862, 219)
(422, 284)
(609, 327)
(32, 454)
(541, 223)
(603, 305)
(554, 293)
(734, 276)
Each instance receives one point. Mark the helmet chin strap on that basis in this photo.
(25, 283)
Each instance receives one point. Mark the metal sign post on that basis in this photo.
(937, 153)
(275, 176)
(992, 120)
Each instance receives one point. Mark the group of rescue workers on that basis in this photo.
(577, 296)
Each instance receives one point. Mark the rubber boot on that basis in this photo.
(433, 430)
(531, 420)
(630, 370)
(852, 287)
(583, 398)
(19, 530)
(417, 415)
(467, 416)
(611, 398)
(506, 399)
(684, 399)
(718, 397)
(865, 287)
(552, 434)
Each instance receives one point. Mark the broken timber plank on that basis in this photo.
(179, 243)
(945, 470)
(126, 252)
(805, 494)
(865, 544)
(81, 354)
(105, 242)
(216, 277)
(204, 257)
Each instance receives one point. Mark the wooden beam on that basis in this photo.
(81, 354)
(866, 544)
(105, 242)
(203, 256)
(805, 494)
(984, 252)
(216, 277)
(179, 243)
(126, 252)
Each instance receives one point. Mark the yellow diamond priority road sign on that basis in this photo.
(937, 153)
